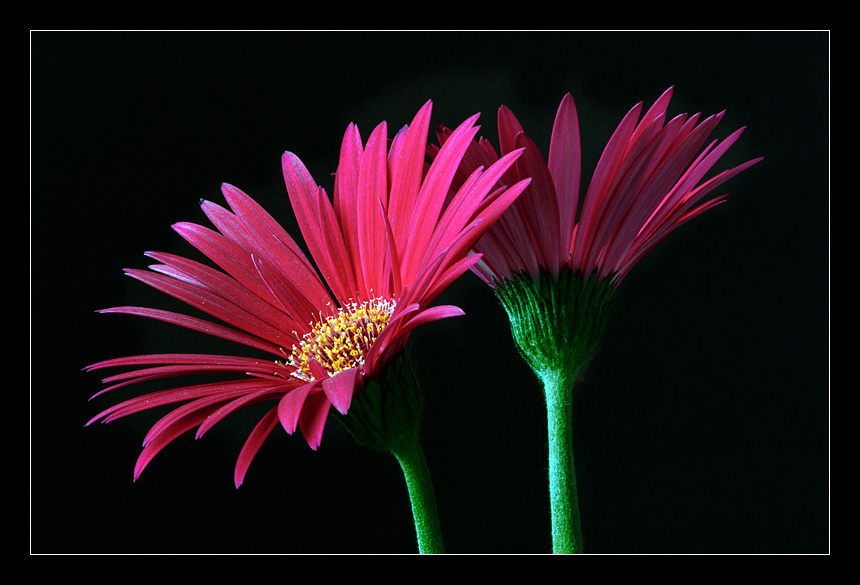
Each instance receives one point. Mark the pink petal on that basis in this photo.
(290, 407)
(565, 165)
(657, 110)
(317, 371)
(204, 404)
(315, 218)
(213, 304)
(390, 336)
(227, 287)
(345, 197)
(255, 440)
(601, 181)
(540, 202)
(270, 241)
(226, 253)
(372, 199)
(313, 418)
(509, 129)
(432, 314)
(339, 389)
(342, 277)
(407, 169)
(471, 201)
(164, 438)
(452, 273)
(486, 220)
(202, 326)
(231, 407)
(433, 193)
(291, 301)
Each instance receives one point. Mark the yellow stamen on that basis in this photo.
(342, 341)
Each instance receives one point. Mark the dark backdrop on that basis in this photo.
(702, 426)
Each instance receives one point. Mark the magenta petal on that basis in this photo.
(317, 370)
(339, 389)
(433, 314)
(407, 167)
(341, 279)
(313, 417)
(604, 175)
(432, 196)
(565, 165)
(269, 240)
(200, 325)
(212, 303)
(229, 408)
(345, 197)
(252, 445)
(165, 437)
(318, 224)
(372, 200)
(290, 407)
(509, 128)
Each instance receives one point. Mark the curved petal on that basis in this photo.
(252, 445)
(165, 437)
(339, 389)
(290, 406)
(313, 417)
(432, 314)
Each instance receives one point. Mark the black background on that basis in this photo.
(703, 426)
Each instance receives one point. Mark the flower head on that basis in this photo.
(648, 181)
(386, 244)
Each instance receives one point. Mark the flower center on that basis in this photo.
(343, 340)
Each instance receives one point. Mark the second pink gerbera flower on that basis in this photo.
(555, 263)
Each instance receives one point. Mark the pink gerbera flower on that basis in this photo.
(386, 246)
(555, 262)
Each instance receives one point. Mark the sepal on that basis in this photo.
(387, 410)
(557, 322)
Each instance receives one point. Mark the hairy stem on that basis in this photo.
(564, 502)
(421, 495)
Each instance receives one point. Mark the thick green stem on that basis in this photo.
(564, 502)
(421, 495)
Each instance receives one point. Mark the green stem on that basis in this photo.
(564, 503)
(421, 495)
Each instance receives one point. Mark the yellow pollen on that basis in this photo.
(342, 341)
